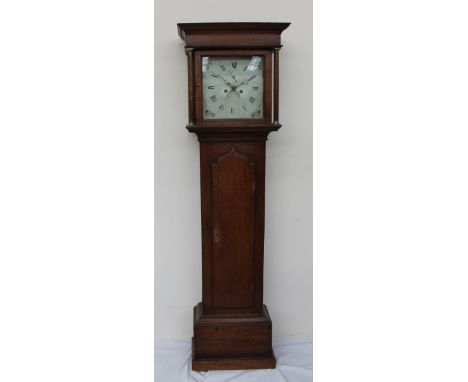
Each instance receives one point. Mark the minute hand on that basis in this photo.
(245, 82)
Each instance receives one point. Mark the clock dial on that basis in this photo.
(232, 87)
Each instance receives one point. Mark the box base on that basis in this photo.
(232, 342)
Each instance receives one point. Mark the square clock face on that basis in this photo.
(232, 87)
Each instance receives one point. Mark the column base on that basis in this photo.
(232, 342)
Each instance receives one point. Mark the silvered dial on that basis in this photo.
(232, 87)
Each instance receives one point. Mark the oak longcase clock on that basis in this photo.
(233, 92)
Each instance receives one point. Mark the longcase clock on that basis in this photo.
(233, 92)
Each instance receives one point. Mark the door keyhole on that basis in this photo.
(215, 235)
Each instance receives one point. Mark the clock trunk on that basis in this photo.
(232, 203)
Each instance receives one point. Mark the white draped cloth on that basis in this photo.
(293, 364)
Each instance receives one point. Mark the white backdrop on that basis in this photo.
(288, 227)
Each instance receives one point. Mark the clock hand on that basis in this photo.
(218, 76)
(226, 82)
(246, 81)
(233, 91)
(251, 78)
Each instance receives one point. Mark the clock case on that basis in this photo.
(232, 326)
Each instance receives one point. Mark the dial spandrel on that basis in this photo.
(232, 87)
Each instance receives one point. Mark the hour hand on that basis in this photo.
(218, 76)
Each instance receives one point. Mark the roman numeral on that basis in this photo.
(234, 64)
(252, 99)
(246, 66)
(211, 87)
(254, 88)
(221, 107)
(251, 78)
(213, 98)
(214, 75)
(232, 110)
(244, 107)
(222, 67)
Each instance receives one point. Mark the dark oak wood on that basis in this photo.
(225, 335)
(237, 363)
(233, 195)
(242, 132)
(191, 98)
(232, 327)
(231, 35)
(232, 203)
(276, 89)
